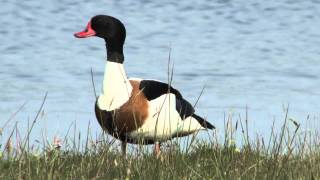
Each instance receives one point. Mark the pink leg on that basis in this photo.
(157, 149)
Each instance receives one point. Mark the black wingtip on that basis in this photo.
(203, 122)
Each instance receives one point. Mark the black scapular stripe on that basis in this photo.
(154, 89)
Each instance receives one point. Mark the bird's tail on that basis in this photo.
(203, 122)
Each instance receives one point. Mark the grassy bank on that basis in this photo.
(204, 161)
(287, 154)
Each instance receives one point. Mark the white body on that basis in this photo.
(163, 120)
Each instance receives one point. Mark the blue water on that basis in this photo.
(264, 55)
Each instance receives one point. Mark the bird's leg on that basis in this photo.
(124, 148)
(157, 149)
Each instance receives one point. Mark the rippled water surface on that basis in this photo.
(263, 55)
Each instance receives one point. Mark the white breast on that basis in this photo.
(116, 87)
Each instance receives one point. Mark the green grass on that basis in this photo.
(204, 161)
(288, 154)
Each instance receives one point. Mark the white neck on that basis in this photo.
(116, 87)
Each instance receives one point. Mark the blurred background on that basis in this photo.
(260, 55)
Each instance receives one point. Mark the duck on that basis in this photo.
(135, 110)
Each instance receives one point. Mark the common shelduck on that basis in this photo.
(134, 110)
